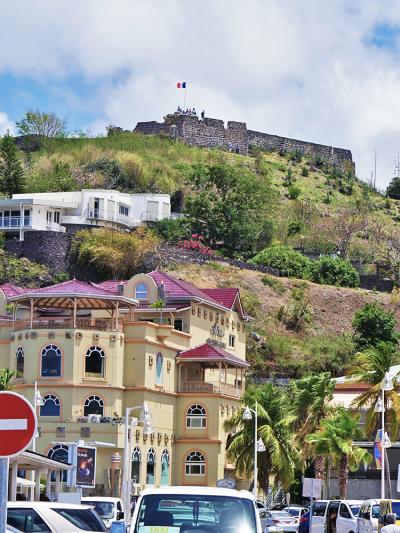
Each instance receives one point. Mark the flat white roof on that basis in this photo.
(199, 491)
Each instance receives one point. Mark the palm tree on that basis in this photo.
(6, 377)
(310, 397)
(274, 428)
(334, 440)
(370, 366)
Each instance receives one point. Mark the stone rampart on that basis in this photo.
(212, 133)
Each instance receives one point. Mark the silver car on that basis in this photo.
(275, 521)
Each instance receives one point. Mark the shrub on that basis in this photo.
(274, 283)
(294, 228)
(296, 156)
(332, 353)
(283, 258)
(334, 271)
(294, 192)
(304, 172)
(116, 254)
(21, 271)
(289, 179)
(298, 313)
(372, 325)
(172, 230)
(196, 244)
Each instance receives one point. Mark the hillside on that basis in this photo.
(322, 344)
(158, 162)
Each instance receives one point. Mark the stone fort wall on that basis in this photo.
(212, 133)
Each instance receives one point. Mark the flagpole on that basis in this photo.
(184, 99)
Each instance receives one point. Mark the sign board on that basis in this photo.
(312, 487)
(18, 424)
(85, 466)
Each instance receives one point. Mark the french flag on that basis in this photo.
(181, 85)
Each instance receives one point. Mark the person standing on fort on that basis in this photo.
(237, 149)
(203, 114)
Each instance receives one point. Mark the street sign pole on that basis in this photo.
(3, 493)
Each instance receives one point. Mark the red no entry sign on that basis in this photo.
(17, 424)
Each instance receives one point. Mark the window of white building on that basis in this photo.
(195, 464)
(196, 417)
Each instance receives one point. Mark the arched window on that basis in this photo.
(51, 361)
(94, 405)
(51, 406)
(196, 417)
(159, 369)
(136, 461)
(141, 292)
(165, 468)
(94, 362)
(151, 461)
(59, 452)
(20, 359)
(195, 464)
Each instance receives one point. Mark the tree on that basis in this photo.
(334, 271)
(370, 366)
(393, 189)
(274, 428)
(230, 207)
(11, 171)
(310, 397)
(36, 122)
(334, 440)
(6, 378)
(285, 259)
(372, 325)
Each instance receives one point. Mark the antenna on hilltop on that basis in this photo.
(397, 165)
(375, 170)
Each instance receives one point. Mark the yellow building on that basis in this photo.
(95, 349)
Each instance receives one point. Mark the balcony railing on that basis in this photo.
(203, 387)
(29, 222)
(98, 324)
(109, 216)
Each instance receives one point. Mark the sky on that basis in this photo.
(326, 71)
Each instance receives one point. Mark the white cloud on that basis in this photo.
(5, 124)
(292, 67)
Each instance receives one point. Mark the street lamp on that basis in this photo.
(387, 385)
(145, 418)
(37, 402)
(258, 443)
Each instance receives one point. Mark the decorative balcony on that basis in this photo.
(109, 216)
(103, 324)
(13, 223)
(203, 387)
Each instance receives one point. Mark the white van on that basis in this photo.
(109, 509)
(192, 509)
(346, 521)
(368, 516)
(324, 516)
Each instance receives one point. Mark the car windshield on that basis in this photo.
(355, 509)
(85, 519)
(396, 509)
(103, 509)
(197, 514)
(293, 511)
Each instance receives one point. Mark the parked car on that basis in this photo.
(279, 521)
(195, 509)
(346, 521)
(49, 517)
(304, 523)
(297, 511)
(368, 517)
(109, 509)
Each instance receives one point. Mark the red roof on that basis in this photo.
(72, 286)
(111, 285)
(12, 290)
(207, 352)
(224, 296)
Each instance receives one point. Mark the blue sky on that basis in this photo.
(327, 72)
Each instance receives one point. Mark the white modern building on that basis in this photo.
(56, 211)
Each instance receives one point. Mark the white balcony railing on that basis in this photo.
(109, 216)
(29, 222)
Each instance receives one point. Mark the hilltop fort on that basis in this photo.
(212, 133)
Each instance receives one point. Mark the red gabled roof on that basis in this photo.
(72, 286)
(111, 285)
(12, 290)
(225, 296)
(209, 353)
